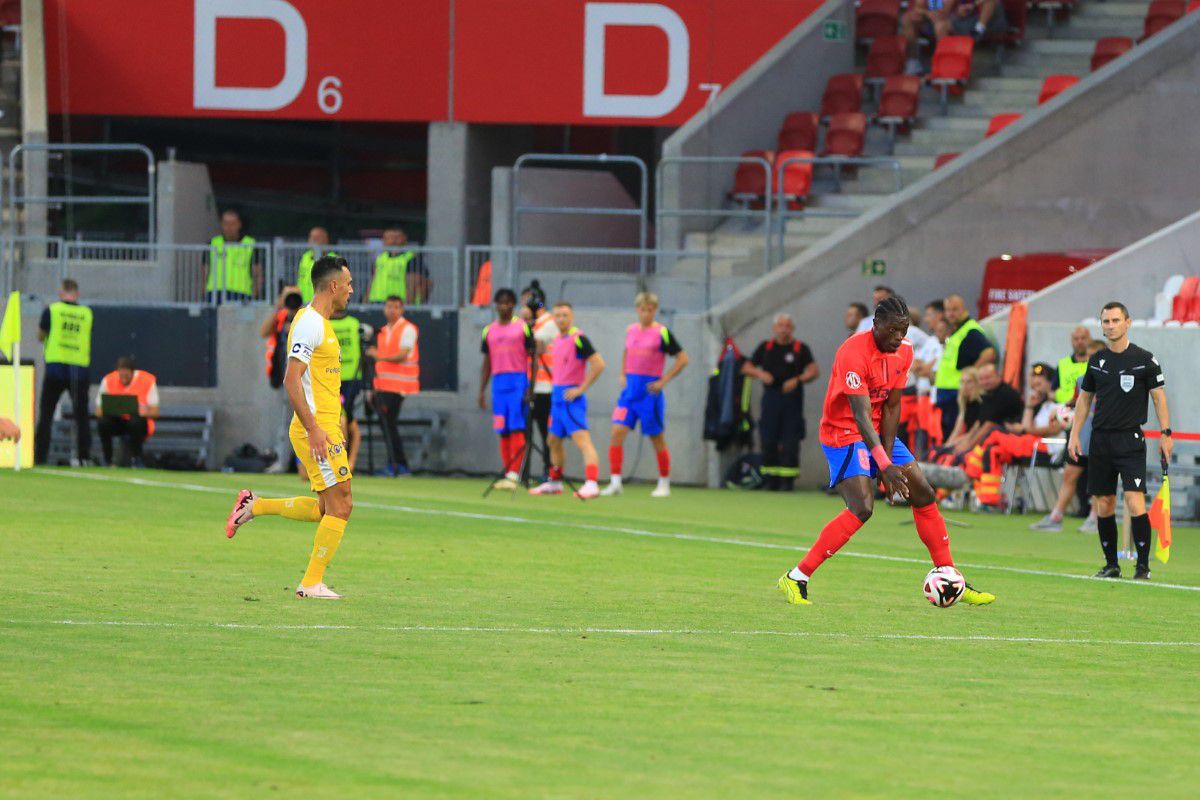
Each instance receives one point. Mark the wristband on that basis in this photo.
(881, 459)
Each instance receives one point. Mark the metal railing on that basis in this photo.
(19, 201)
(33, 264)
(501, 271)
(432, 276)
(642, 212)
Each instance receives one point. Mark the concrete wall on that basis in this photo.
(559, 188)
(187, 208)
(34, 117)
(747, 114)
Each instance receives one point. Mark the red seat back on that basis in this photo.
(750, 177)
(886, 57)
(875, 18)
(901, 95)
(843, 94)
(799, 131)
(10, 12)
(795, 178)
(944, 159)
(952, 58)
(999, 123)
(1055, 84)
(846, 134)
(1181, 306)
(1110, 47)
(1161, 14)
(1193, 6)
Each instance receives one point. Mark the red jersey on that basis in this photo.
(861, 368)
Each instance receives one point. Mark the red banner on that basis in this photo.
(522, 61)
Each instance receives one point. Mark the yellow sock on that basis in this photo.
(301, 509)
(329, 536)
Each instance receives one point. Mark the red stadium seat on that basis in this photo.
(874, 18)
(1161, 14)
(886, 58)
(1055, 84)
(846, 134)
(751, 181)
(799, 131)
(951, 65)
(1108, 48)
(843, 94)
(1181, 306)
(944, 159)
(999, 123)
(794, 178)
(898, 105)
(1193, 6)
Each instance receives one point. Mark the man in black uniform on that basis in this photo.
(1120, 377)
(783, 364)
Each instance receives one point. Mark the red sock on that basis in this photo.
(556, 473)
(833, 536)
(505, 451)
(616, 458)
(592, 472)
(516, 450)
(664, 463)
(931, 527)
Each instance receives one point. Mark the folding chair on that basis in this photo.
(1022, 482)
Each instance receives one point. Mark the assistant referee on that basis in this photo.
(1120, 377)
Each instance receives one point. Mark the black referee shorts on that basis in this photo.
(1114, 453)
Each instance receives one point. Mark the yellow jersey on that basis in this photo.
(313, 341)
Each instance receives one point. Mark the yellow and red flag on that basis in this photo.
(1160, 519)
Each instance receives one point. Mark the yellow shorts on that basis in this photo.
(322, 474)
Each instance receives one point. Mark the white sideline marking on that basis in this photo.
(585, 526)
(613, 631)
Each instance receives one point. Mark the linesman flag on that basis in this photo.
(10, 330)
(1160, 518)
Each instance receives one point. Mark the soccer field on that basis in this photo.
(542, 647)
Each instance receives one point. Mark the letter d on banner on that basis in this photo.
(598, 17)
(206, 93)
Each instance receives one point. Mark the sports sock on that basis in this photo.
(301, 509)
(664, 463)
(616, 459)
(591, 472)
(1139, 527)
(505, 450)
(516, 451)
(329, 536)
(931, 527)
(555, 473)
(833, 536)
(1107, 528)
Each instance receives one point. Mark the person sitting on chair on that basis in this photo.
(136, 423)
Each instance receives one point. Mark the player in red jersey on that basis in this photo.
(858, 432)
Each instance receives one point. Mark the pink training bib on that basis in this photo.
(507, 346)
(644, 350)
(568, 367)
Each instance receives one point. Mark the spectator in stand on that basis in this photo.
(65, 331)
(933, 19)
(966, 424)
(234, 272)
(856, 313)
(126, 380)
(1072, 367)
(910, 398)
(925, 361)
(880, 294)
(966, 346)
(275, 331)
(935, 311)
(318, 245)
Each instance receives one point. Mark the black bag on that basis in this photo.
(745, 473)
(247, 458)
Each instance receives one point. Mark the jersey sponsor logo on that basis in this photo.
(343, 471)
(864, 460)
(1102, 362)
(1160, 378)
(1137, 481)
(1126, 382)
(853, 381)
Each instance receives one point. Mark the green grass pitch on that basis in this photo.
(546, 648)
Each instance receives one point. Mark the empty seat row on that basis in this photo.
(898, 101)
(1179, 299)
(794, 180)
(844, 136)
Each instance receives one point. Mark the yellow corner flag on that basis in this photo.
(10, 330)
(1160, 519)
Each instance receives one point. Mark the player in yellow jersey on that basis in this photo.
(314, 384)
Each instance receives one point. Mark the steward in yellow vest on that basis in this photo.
(66, 331)
(233, 271)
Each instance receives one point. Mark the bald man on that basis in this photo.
(966, 346)
(1072, 367)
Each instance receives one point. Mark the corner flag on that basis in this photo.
(10, 330)
(1160, 518)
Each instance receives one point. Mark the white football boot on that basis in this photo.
(317, 591)
(663, 489)
(549, 487)
(589, 490)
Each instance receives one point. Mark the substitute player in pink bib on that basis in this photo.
(647, 345)
(507, 348)
(858, 433)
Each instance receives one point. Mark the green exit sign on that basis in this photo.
(834, 30)
(874, 267)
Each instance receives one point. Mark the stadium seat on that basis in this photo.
(794, 178)
(1193, 6)
(944, 159)
(1161, 14)
(846, 134)
(898, 103)
(874, 18)
(1181, 306)
(1108, 48)
(751, 182)
(843, 95)
(999, 123)
(799, 131)
(1055, 84)
(885, 59)
(951, 65)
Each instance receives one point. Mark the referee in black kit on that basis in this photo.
(1120, 377)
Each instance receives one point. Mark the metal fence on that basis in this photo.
(432, 277)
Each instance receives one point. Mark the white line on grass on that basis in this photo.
(585, 526)
(612, 631)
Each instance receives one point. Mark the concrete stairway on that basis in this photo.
(1001, 83)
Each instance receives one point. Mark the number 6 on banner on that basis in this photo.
(329, 94)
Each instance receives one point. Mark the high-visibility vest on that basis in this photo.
(230, 266)
(482, 296)
(346, 330)
(1069, 372)
(543, 362)
(273, 341)
(403, 377)
(69, 340)
(304, 274)
(139, 387)
(389, 280)
(948, 373)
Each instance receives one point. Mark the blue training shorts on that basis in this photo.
(637, 405)
(855, 459)
(508, 401)
(567, 416)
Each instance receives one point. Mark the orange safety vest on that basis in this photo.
(403, 377)
(140, 387)
(543, 362)
(273, 340)
(482, 296)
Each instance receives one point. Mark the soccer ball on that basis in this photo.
(1066, 416)
(944, 586)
